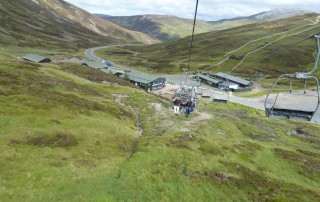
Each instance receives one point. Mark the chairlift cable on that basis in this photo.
(283, 49)
(192, 36)
(268, 44)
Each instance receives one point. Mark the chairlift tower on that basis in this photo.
(188, 91)
(185, 71)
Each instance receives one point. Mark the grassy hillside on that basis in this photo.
(71, 133)
(168, 28)
(210, 48)
(56, 23)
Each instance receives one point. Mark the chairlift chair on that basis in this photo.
(287, 104)
(187, 91)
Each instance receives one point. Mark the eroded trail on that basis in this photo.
(118, 99)
(199, 116)
(170, 122)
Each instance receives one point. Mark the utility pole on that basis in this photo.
(181, 77)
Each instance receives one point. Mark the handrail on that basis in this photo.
(273, 87)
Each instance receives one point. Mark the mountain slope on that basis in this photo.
(275, 14)
(166, 28)
(58, 23)
(162, 27)
(70, 133)
(211, 48)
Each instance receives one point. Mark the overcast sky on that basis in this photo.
(208, 9)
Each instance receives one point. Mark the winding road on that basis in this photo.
(89, 53)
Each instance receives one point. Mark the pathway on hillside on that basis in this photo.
(135, 111)
(8, 54)
(227, 55)
(269, 44)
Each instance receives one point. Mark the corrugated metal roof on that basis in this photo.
(233, 78)
(227, 84)
(215, 81)
(34, 57)
(137, 79)
(142, 75)
(96, 64)
(138, 76)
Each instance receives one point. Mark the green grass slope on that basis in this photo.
(69, 133)
(210, 48)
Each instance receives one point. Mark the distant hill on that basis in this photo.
(278, 14)
(162, 27)
(57, 23)
(166, 28)
(274, 14)
(211, 48)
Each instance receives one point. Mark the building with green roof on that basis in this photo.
(208, 80)
(36, 58)
(145, 81)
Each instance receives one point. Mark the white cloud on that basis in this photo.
(208, 9)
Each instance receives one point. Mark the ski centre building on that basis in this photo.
(36, 58)
(146, 81)
(96, 64)
(233, 83)
(243, 83)
(209, 81)
(225, 81)
(143, 80)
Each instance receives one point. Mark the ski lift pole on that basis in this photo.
(306, 74)
(187, 76)
(193, 29)
(318, 54)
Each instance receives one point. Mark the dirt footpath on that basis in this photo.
(167, 91)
